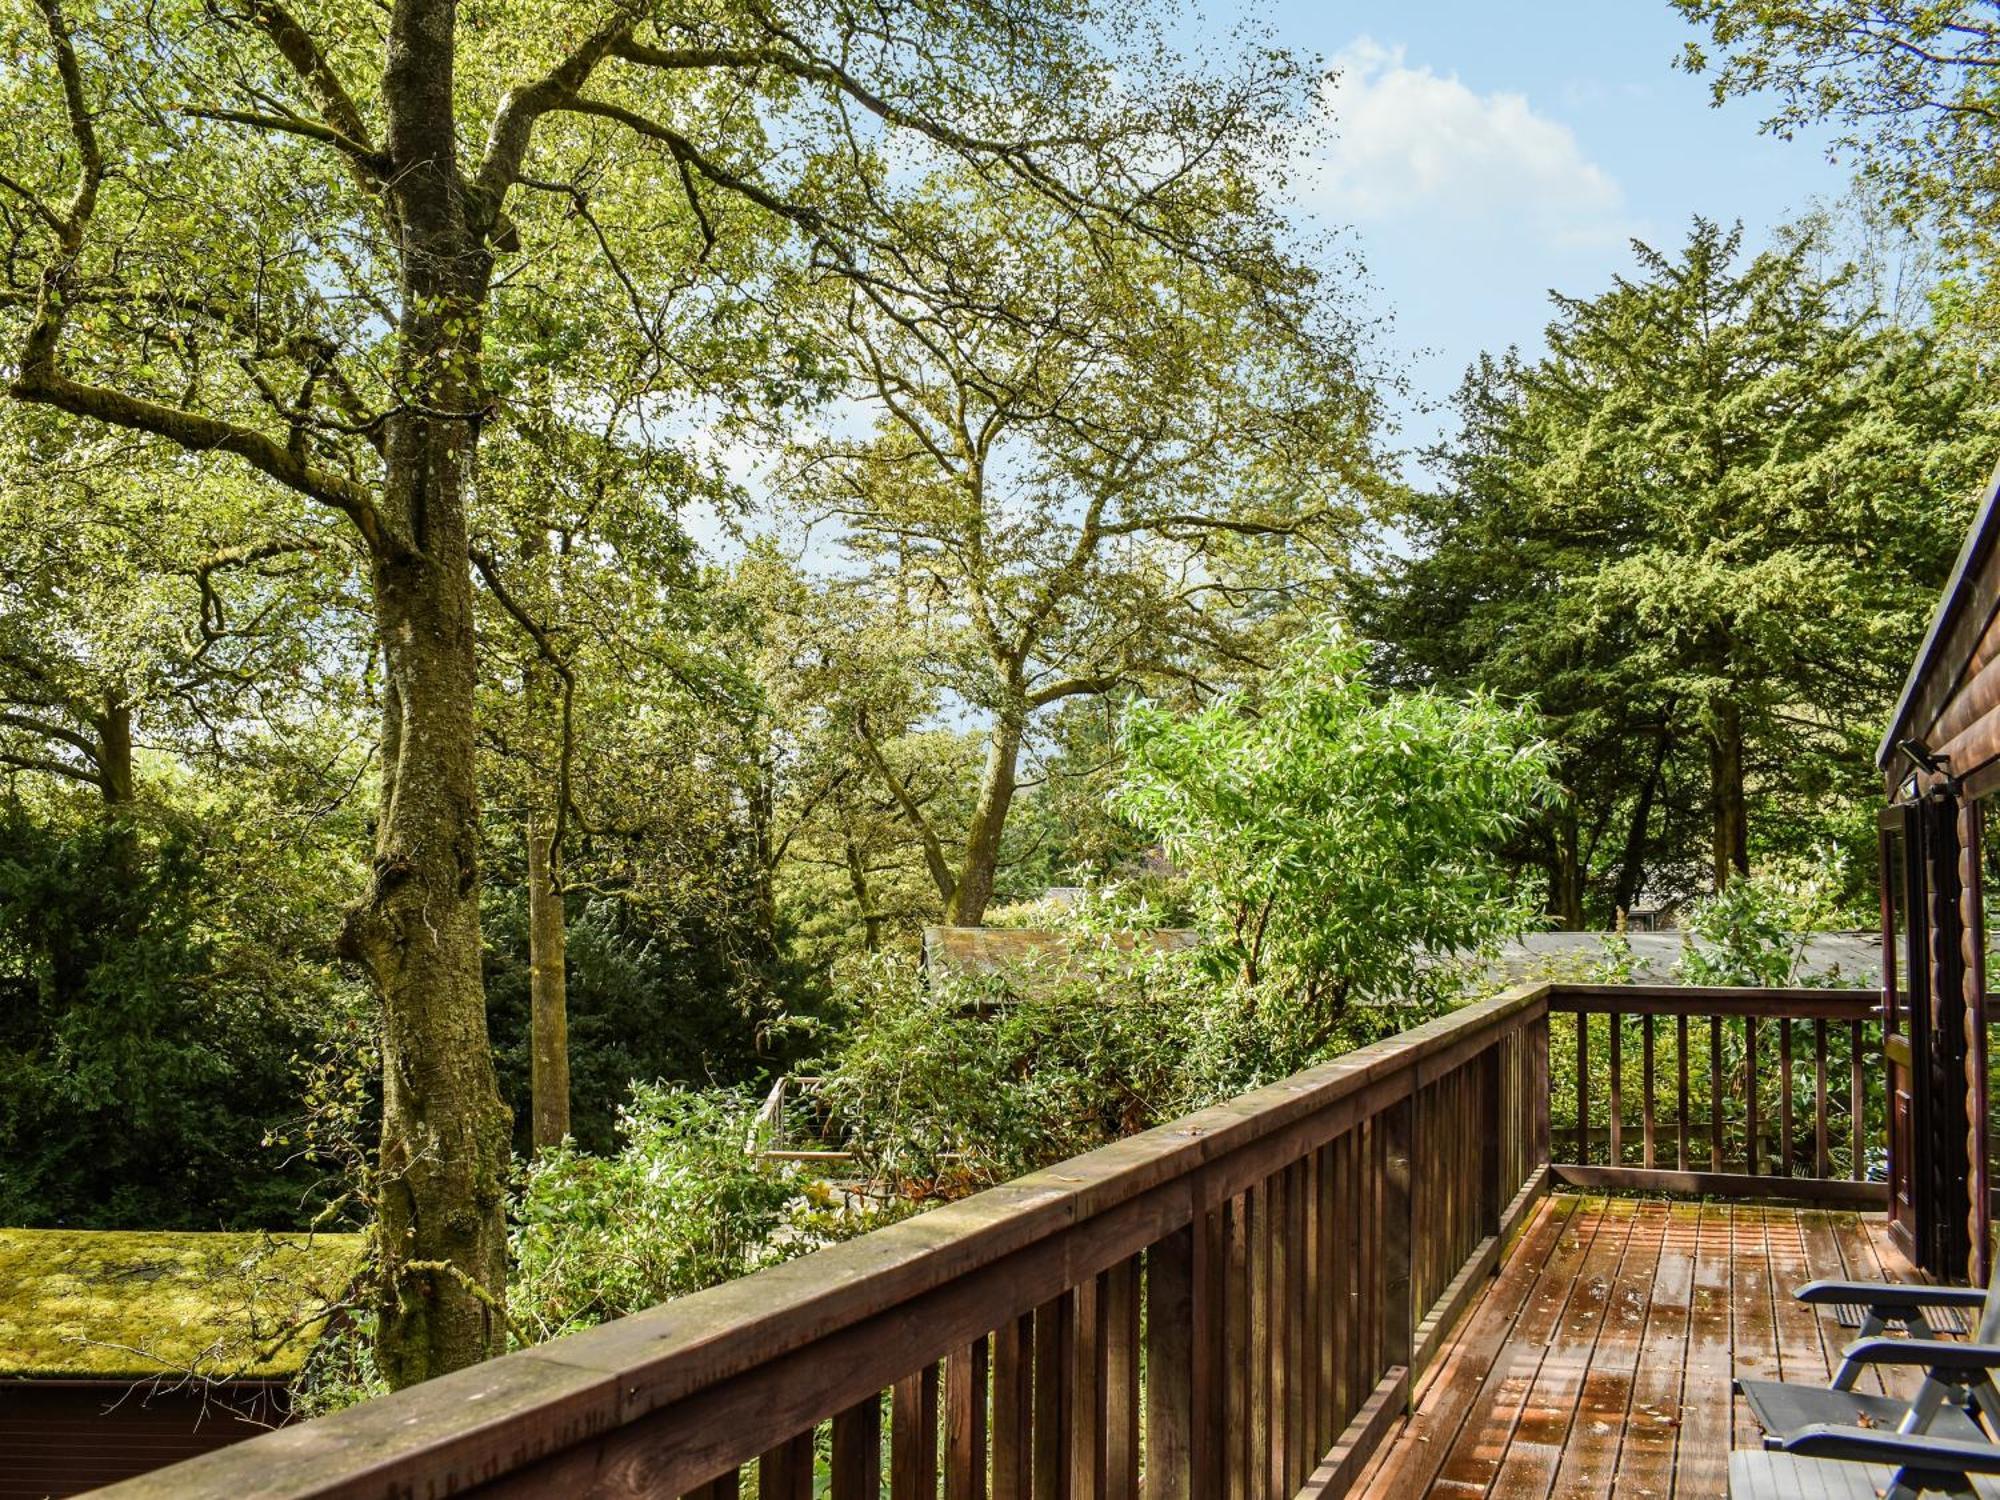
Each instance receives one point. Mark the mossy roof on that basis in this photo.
(91, 1303)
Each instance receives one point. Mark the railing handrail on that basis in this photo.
(1796, 1003)
(477, 1426)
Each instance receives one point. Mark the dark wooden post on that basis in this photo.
(1398, 1232)
(786, 1472)
(965, 1419)
(1054, 1338)
(857, 1452)
(1493, 1129)
(1538, 1038)
(1172, 1336)
(913, 1436)
(1014, 1408)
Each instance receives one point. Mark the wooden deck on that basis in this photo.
(1598, 1362)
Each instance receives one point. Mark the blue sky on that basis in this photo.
(1486, 152)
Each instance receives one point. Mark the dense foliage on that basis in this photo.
(678, 1205)
(1337, 837)
(1703, 535)
(161, 980)
(1910, 87)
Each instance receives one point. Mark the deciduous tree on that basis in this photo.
(1109, 466)
(290, 236)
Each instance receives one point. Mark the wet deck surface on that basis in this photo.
(1599, 1361)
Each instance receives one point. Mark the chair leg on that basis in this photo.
(1872, 1323)
(1924, 1406)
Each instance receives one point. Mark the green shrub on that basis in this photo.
(947, 1083)
(1338, 839)
(1754, 930)
(681, 1205)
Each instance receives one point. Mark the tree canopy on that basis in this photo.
(1704, 534)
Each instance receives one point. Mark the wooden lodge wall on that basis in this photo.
(63, 1437)
(1949, 716)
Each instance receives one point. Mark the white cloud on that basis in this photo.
(1396, 142)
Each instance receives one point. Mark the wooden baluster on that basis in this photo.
(1582, 1157)
(1273, 1325)
(1715, 1093)
(1399, 1321)
(1822, 1144)
(1368, 1282)
(727, 1487)
(786, 1472)
(1285, 1340)
(1121, 1380)
(913, 1437)
(1681, 1056)
(1014, 1408)
(1330, 1288)
(1346, 1263)
(1208, 1438)
(1053, 1396)
(1751, 1082)
(1089, 1400)
(1311, 1276)
(1298, 1352)
(1617, 1100)
(1236, 1346)
(857, 1452)
(1257, 1458)
(965, 1422)
(1785, 1097)
(1857, 1104)
(1171, 1337)
(1646, 1083)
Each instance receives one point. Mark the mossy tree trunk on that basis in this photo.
(548, 986)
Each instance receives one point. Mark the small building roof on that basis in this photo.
(137, 1304)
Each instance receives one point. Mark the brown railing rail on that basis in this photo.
(1765, 1093)
(1235, 1304)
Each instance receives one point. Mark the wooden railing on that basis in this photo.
(1236, 1304)
(1768, 1093)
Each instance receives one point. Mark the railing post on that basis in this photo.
(1054, 1341)
(857, 1453)
(1493, 1078)
(1544, 1139)
(1172, 1336)
(1399, 1322)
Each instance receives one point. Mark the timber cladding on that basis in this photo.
(1950, 702)
(1246, 1297)
(62, 1437)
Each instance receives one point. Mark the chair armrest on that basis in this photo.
(1890, 1296)
(1939, 1354)
(1904, 1450)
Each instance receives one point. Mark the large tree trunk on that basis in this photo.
(857, 884)
(548, 994)
(114, 760)
(1728, 807)
(1566, 871)
(1632, 866)
(981, 860)
(444, 1130)
(445, 1134)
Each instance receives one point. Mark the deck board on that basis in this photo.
(1599, 1360)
